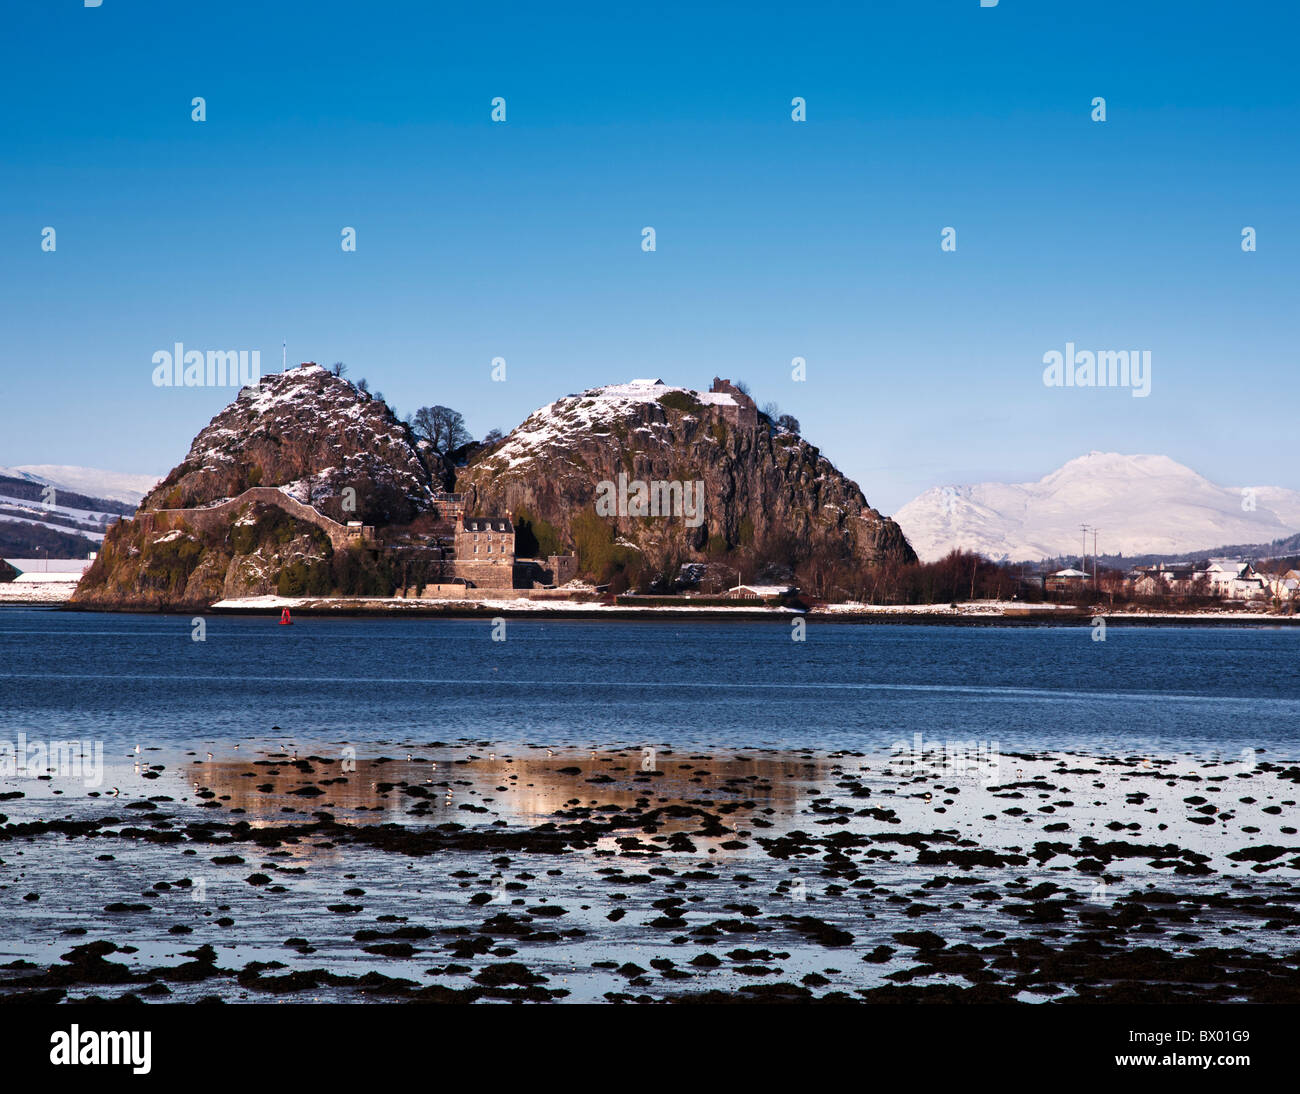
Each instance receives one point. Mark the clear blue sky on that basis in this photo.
(775, 239)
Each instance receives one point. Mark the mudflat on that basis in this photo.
(462, 871)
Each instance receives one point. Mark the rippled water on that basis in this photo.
(1159, 690)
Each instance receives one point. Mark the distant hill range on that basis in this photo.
(1144, 507)
(62, 512)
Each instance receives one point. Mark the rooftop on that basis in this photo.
(487, 524)
(50, 565)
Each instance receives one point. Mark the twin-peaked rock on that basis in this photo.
(768, 496)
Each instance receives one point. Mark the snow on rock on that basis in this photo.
(313, 435)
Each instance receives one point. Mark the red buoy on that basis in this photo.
(285, 621)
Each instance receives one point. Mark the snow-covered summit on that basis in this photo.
(596, 411)
(315, 435)
(649, 391)
(1140, 504)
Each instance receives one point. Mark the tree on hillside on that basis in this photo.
(492, 437)
(788, 423)
(441, 426)
(338, 368)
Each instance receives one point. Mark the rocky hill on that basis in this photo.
(318, 438)
(768, 495)
(315, 436)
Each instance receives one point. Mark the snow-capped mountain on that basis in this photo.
(90, 481)
(1139, 504)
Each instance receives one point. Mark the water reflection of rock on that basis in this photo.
(519, 787)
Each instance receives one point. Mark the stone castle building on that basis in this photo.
(485, 552)
(742, 412)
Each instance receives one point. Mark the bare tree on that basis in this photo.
(338, 368)
(442, 427)
(788, 423)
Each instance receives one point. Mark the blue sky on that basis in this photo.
(775, 239)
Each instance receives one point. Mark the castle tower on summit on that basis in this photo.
(745, 412)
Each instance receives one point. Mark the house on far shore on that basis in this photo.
(767, 594)
(1285, 586)
(1065, 581)
(1225, 578)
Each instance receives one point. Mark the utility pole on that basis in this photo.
(1094, 560)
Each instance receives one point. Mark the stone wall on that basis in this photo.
(460, 592)
(216, 518)
(498, 573)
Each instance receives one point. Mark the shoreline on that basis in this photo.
(964, 615)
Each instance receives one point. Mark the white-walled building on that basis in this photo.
(50, 569)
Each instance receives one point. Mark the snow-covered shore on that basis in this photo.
(36, 592)
(426, 604)
(985, 611)
(1015, 609)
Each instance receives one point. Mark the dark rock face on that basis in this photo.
(768, 492)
